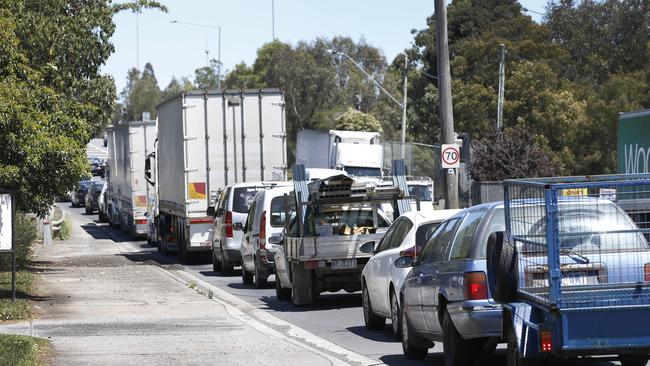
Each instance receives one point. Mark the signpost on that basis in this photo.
(450, 155)
(7, 233)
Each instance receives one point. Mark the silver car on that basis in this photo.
(445, 297)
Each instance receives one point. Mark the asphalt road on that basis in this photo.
(335, 317)
(96, 149)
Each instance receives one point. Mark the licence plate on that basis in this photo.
(344, 263)
(578, 279)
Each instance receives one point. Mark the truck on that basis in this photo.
(208, 140)
(337, 224)
(633, 142)
(127, 192)
(358, 153)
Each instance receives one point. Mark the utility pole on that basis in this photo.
(404, 107)
(273, 19)
(502, 67)
(444, 89)
(137, 39)
(219, 62)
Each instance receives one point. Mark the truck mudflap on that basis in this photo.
(579, 331)
(199, 234)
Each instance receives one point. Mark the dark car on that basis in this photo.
(92, 196)
(78, 198)
(445, 297)
(96, 166)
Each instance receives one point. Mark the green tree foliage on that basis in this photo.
(141, 93)
(176, 86)
(354, 120)
(206, 77)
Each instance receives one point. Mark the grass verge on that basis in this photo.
(19, 309)
(18, 350)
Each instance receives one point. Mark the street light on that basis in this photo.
(219, 47)
(402, 105)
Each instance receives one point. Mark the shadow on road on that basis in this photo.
(323, 302)
(383, 335)
(434, 359)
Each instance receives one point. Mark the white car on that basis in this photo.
(381, 280)
(266, 220)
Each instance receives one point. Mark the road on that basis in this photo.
(96, 149)
(336, 318)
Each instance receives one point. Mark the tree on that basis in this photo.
(176, 86)
(354, 120)
(206, 77)
(141, 93)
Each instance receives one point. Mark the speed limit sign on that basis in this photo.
(450, 155)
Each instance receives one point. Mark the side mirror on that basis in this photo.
(274, 240)
(210, 211)
(146, 214)
(238, 226)
(404, 262)
(368, 247)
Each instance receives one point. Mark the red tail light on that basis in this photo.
(263, 231)
(413, 252)
(646, 272)
(202, 220)
(546, 341)
(141, 221)
(229, 224)
(475, 286)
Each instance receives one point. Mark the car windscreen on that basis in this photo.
(84, 184)
(424, 232)
(243, 198)
(358, 171)
(97, 187)
(421, 191)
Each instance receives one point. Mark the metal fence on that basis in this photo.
(576, 246)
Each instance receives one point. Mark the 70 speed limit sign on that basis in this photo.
(450, 156)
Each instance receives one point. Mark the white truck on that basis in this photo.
(358, 153)
(127, 192)
(206, 142)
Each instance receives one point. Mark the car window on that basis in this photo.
(250, 218)
(384, 242)
(277, 211)
(427, 252)
(462, 246)
(424, 233)
(243, 198)
(440, 242)
(400, 233)
(224, 201)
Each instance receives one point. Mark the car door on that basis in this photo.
(430, 281)
(373, 264)
(412, 292)
(248, 238)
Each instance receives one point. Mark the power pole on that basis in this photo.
(404, 108)
(137, 40)
(219, 62)
(273, 19)
(502, 67)
(444, 90)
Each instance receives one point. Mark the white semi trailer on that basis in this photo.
(206, 142)
(127, 192)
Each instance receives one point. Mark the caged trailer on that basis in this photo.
(572, 269)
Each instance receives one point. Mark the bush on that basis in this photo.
(25, 232)
(64, 231)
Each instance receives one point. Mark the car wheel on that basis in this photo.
(226, 266)
(283, 294)
(633, 360)
(246, 278)
(456, 350)
(88, 211)
(216, 264)
(261, 278)
(395, 316)
(411, 351)
(371, 319)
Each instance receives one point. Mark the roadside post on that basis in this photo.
(7, 233)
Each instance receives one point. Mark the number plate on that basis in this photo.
(344, 263)
(578, 279)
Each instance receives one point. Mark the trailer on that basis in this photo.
(572, 269)
(206, 142)
(127, 192)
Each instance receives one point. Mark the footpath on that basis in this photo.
(104, 305)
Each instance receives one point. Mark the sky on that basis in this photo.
(176, 49)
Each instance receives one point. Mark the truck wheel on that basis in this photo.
(246, 277)
(283, 294)
(502, 268)
(261, 278)
(456, 350)
(226, 266)
(412, 348)
(216, 264)
(373, 322)
(633, 360)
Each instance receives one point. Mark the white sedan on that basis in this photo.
(381, 280)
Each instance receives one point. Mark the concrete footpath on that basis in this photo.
(102, 304)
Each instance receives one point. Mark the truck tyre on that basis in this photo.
(226, 266)
(261, 278)
(283, 294)
(456, 350)
(503, 271)
(246, 278)
(216, 264)
(372, 320)
(633, 360)
(412, 346)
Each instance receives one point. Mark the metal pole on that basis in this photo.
(137, 39)
(273, 18)
(404, 108)
(219, 61)
(502, 66)
(13, 276)
(444, 88)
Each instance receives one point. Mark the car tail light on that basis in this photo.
(263, 231)
(413, 252)
(202, 220)
(141, 221)
(646, 272)
(546, 341)
(229, 230)
(475, 286)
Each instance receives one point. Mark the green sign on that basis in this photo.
(634, 142)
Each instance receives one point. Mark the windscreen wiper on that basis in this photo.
(579, 258)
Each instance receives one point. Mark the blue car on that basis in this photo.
(445, 297)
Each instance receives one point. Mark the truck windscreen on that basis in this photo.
(361, 171)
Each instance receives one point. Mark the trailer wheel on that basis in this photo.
(502, 268)
(633, 360)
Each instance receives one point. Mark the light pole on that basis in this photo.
(402, 105)
(218, 27)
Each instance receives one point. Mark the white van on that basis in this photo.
(266, 220)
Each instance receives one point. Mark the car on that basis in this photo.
(381, 280)
(232, 208)
(445, 296)
(91, 201)
(101, 204)
(266, 220)
(78, 196)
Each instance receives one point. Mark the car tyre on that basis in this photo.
(395, 316)
(88, 211)
(456, 350)
(372, 320)
(502, 268)
(283, 294)
(412, 349)
(216, 264)
(246, 278)
(261, 278)
(226, 266)
(633, 360)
